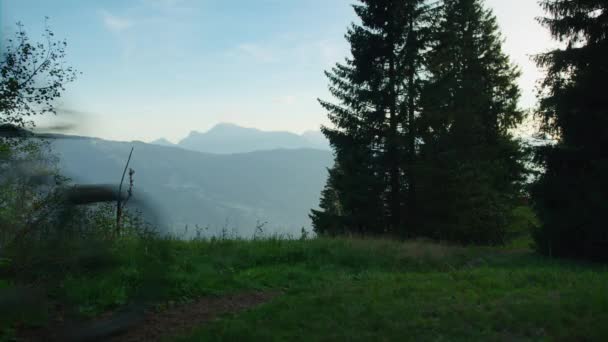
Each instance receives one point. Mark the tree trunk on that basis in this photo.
(411, 110)
(393, 141)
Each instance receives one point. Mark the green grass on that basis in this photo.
(380, 290)
(361, 290)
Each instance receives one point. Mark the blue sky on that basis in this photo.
(163, 68)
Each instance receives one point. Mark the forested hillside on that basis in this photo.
(234, 192)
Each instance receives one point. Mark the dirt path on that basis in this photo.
(183, 319)
(151, 326)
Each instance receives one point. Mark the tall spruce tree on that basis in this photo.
(469, 166)
(571, 197)
(374, 121)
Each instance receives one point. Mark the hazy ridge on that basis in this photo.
(232, 191)
(226, 138)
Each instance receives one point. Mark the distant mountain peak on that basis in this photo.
(228, 138)
(313, 134)
(228, 125)
(317, 138)
(162, 142)
(231, 129)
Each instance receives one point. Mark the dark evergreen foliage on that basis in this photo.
(373, 125)
(421, 135)
(470, 166)
(571, 197)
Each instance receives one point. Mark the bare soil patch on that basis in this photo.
(150, 325)
(185, 318)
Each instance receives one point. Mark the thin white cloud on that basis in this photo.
(115, 23)
(287, 100)
(331, 52)
(326, 52)
(180, 7)
(258, 52)
(163, 3)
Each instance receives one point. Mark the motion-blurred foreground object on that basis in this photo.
(56, 237)
(12, 131)
(52, 231)
(30, 171)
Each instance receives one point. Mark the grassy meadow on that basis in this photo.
(355, 289)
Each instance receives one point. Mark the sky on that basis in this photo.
(164, 68)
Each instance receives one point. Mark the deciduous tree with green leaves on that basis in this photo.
(32, 76)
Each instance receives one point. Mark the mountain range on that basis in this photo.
(275, 188)
(226, 138)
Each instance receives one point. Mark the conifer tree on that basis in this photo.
(571, 197)
(374, 120)
(469, 169)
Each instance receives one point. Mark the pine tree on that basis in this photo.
(377, 92)
(344, 209)
(571, 197)
(469, 169)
